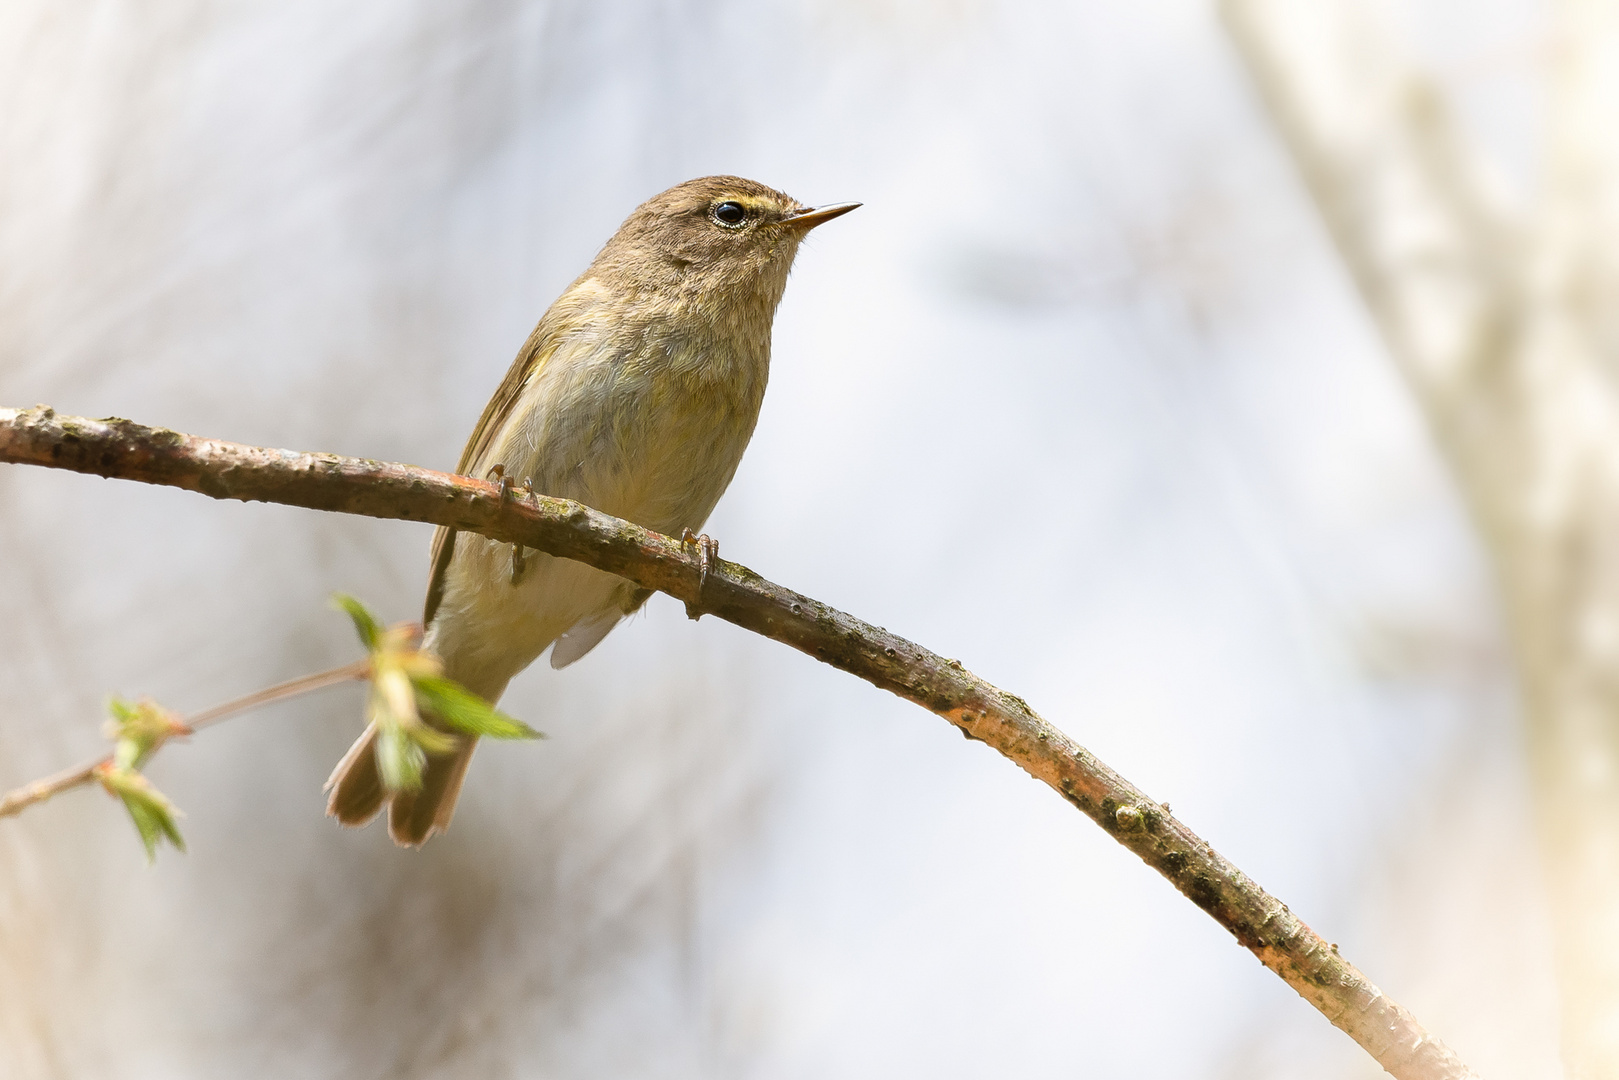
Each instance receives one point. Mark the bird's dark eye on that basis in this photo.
(730, 213)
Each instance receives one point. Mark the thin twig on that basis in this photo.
(1260, 923)
(16, 801)
(20, 799)
(280, 692)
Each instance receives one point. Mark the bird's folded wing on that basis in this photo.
(535, 351)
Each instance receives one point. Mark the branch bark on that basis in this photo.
(1260, 923)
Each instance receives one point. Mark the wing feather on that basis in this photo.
(539, 347)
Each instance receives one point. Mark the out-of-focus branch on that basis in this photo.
(1438, 264)
(1406, 204)
(16, 801)
(1259, 922)
(1508, 335)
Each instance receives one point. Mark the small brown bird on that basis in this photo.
(636, 394)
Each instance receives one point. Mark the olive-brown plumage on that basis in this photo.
(636, 394)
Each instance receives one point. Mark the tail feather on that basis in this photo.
(413, 816)
(356, 785)
(358, 793)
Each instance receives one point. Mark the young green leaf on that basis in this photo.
(431, 739)
(407, 680)
(150, 810)
(465, 711)
(400, 759)
(139, 728)
(365, 624)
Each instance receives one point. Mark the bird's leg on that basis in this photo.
(497, 471)
(519, 552)
(708, 550)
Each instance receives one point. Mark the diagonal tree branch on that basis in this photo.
(1260, 923)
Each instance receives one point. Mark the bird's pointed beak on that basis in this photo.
(810, 217)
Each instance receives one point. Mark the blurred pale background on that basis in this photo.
(1083, 395)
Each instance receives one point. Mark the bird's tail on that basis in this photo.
(413, 816)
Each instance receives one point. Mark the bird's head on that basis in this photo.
(713, 239)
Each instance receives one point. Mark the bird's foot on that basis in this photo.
(708, 550)
(497, 472)
(519, 552)
(507, 491)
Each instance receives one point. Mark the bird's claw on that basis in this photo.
(507, 489)
(708, 551)
(497, 473)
